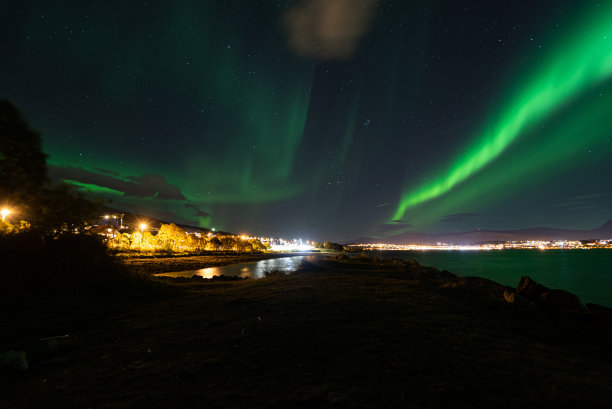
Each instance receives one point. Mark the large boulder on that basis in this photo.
(530, 289)
(551, 301)
(561, 300)
(521, 303)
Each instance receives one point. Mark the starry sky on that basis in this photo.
(323, 119)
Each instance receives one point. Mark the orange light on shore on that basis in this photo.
(5, 212)
(142, 227)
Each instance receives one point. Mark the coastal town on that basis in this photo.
(527, 244)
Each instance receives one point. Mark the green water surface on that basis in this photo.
(586, 273)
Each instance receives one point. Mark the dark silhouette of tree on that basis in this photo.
(244, 246)
(257, 245)
(24, 184)
(63, 209)
(228, 243)
(213, 244)
(22, 163)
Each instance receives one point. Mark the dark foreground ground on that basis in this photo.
(339, 334)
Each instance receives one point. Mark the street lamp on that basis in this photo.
(142, 227)
(5, 212)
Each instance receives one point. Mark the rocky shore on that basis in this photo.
(342, 332)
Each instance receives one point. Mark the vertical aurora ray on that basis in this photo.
(579, 63)
(256, 141)
(248, 114)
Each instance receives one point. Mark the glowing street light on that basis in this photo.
(142, 227)
(5, 212)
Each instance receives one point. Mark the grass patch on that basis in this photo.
(54, 286)
(37, 264)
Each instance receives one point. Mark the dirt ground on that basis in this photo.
(338, 334)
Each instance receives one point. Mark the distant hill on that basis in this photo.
(133, 220)
(484, 236)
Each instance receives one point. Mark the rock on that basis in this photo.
(549, 300)
(599, 320)
(413, 263)
(398, 262)
(561, 300)
(521, 303)
(599, 308)
(530, 289)
(447, 274)
(509, 297)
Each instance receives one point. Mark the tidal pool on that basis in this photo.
(253, 269)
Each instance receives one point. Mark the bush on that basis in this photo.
(257, 245)
(69, 263)
(332, 246)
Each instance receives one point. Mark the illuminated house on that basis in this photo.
(115, 220)
(105, 230)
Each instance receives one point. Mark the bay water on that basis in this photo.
(586, 273)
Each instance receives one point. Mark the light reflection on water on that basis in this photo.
(254, 269)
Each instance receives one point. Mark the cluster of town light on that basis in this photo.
(516, 244)
(292, 245)
(276, 244)
(281, 244)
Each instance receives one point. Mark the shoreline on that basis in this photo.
(150, 266)
(153, 265)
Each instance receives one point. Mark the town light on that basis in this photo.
(142, 227)
(5, 212)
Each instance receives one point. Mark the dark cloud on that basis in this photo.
(457, 217)
(155, 186)
(399, 221)
(108, 172)
(328, 29)
(197, 211)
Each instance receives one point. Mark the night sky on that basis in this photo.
(323, 119)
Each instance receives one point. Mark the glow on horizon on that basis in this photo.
(581, 62)
(291, 247)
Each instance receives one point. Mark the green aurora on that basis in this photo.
(202, 113)
(581, 60)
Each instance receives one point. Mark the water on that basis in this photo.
(254, 269)
(586, 273)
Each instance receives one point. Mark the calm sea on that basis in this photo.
(586, 273)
